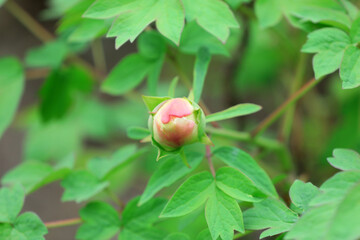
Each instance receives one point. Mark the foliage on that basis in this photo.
(241, 182)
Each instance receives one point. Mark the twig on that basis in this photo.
(284, 106)
(208, 157)
(44, 35)
(288, 118)
(28, 21)
(98, 55)
(63, 223)
(37, 73)
(115, 198)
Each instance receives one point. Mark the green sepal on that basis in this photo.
(206, 140)
(162, 154)
(152, 102)
(146, 139)
(191, 96)
(183, 157)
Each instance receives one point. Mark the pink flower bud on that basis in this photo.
(174, 124)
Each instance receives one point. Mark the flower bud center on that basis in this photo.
(177, 107)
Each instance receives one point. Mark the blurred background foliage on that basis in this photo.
(63, 110)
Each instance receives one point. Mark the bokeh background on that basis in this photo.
(264, 67)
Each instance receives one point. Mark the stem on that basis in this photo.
(63, 223)
(208, 157)
(289, 115)
(28, 21)
(281, 109)
(98, 55)
(37, 73)
(42, 34)
(245, 137)
(270, 144)
(186, 81)
(114, 198)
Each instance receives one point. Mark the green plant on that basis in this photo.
(193, 191)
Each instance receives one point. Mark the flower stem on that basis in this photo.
(63, 223)
(283, 107)
(208, 157)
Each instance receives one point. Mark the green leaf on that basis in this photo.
(237, 185)
(60, 89)
(137, 133)
(50, 55)
(336, 187)
(345, 223)
(223, 216)
(101, 222)
(46, 136)
(5, 230)
(33, 175)
(189, 196)
(330, 44)
(272, 214)
(2, 2)
(81, 185)
(193, 38)
(236, 3)
(327, 12)
(170, 22)
(151, 45)
(177, 236)
(302, 193)
(144, 215)
(28, 226)
(313, 224)
(11, 88)
(171, 170)
(204, 235)
(88, 30)
(326, 39)
(137, 233)
(202, 62)
(126, 75)
(345, 159)
(134, 16)
(214, 16)
(350, 68)
(355, 31)
(234, 111)
(101, 167)
(152, 102)
(11, 203)
(269, 12)
(242, 161)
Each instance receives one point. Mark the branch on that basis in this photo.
(281, 109)
(63, 223)
(29, 22)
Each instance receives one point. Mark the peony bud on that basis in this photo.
(177, 122)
